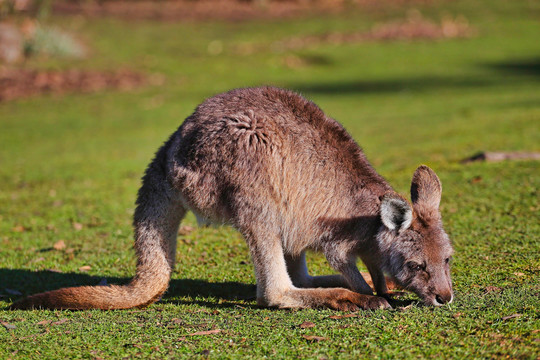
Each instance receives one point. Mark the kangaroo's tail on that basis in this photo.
(156, 221)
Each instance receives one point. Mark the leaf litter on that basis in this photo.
(208, 332)
(59, 245)
(314, 338)
(513, 316)
(338, 317)
(8, 326)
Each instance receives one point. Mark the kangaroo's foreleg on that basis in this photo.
(298, 271)
(275, 287)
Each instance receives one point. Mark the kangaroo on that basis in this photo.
(289, 179)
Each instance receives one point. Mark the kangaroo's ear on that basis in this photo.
(426, 190)
(396, 213)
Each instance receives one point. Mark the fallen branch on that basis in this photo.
(491, 156)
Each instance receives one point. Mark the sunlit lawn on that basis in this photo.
(70, 168)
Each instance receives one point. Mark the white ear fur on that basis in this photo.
(396, 213)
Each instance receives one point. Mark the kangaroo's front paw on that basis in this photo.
(346, 300)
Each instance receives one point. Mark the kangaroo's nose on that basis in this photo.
(443, 299)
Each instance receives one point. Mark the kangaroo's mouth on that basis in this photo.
(428, 298)
(432, 298)
(437, 300)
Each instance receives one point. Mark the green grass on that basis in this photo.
(77, 159)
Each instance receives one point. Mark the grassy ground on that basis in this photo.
(70, 168)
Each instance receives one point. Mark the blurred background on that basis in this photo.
(414, 81)
(400, 65)
(89, 89)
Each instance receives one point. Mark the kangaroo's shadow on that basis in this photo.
(15, 283)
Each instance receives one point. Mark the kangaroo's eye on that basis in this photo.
(415, 266)
(447, 260)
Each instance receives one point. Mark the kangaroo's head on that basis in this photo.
(416, 250)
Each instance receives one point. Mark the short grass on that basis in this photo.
(70, 168)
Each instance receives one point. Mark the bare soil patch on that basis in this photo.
(415, 28)
(228, 10)
(419, 29)
(21, 83)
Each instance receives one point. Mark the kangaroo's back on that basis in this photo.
(268, 152)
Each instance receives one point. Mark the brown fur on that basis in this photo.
(289, 178)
